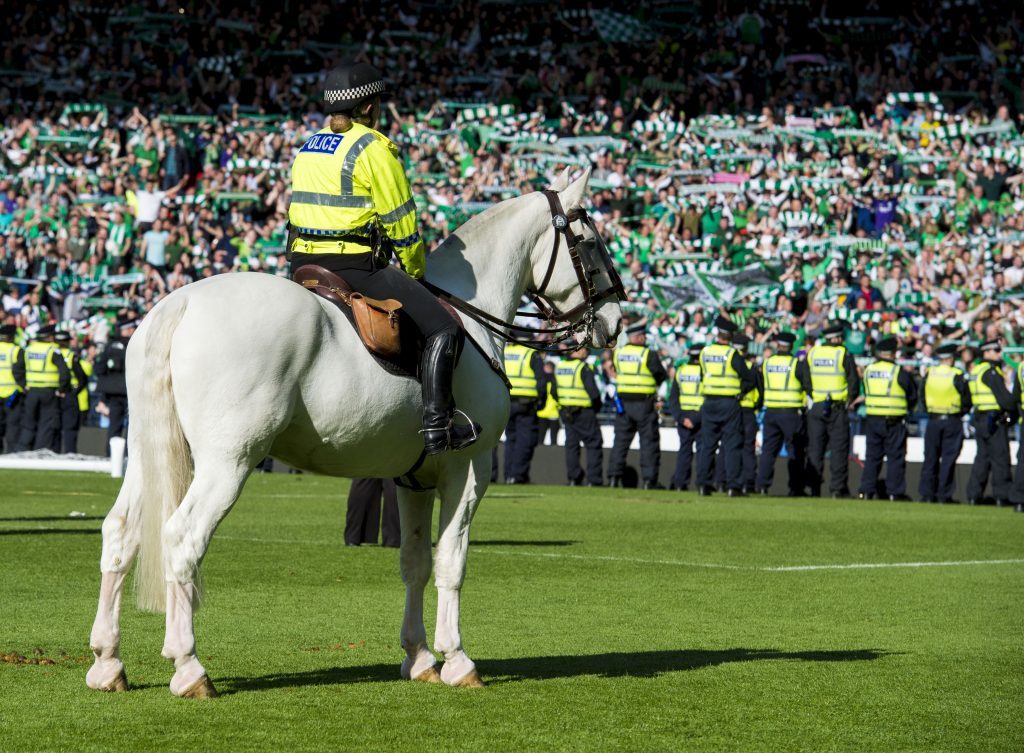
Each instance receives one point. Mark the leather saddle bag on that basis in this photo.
(377, 322)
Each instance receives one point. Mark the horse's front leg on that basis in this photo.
(462, 486)
(415, 509)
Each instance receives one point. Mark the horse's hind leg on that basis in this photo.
(415, 509)
(461, 487)
(121, 537)
(186, 536)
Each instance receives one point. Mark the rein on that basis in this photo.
(545, 307)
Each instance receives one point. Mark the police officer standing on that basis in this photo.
(750, 404)
(724, 379)
(1017, 492)
(525, 370)
(578, 397)
(47, 378)
(994, 409)
(889, 394)
(834, 385)
(70, 415)
(110, 382)
(685, 401)
(639, 373)
(785, 399)
(12, 388)
(946, 399)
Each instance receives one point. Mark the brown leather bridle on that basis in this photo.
(537, 337)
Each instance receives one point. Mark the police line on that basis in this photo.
(670, 443)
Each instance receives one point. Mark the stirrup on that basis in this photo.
(436, 447)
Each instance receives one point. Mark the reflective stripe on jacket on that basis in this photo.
(519, 368)
(40, 370)
(345, 184)
(781, 387)
(828, 378)
(719, 376)
(982, 396)
(884, 395)
(691, 394)
(634, 377)
(569, 378)
(940, 393)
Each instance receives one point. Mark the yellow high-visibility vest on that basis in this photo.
(569, 378)
(982, 395)
(347, 183)
(940, 393)
(634, 378)
(691, 393)
(40, 370)
(1020, 373)
(519, 369)
(884, 395)
(749, 399)
(83, 393)
(549, 411)
(719, 376)
(781, 387)
(8, 355)
(828, 378)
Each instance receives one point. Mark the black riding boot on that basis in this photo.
(440, 432)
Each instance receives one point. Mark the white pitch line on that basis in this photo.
(674, 563)
(882, 565)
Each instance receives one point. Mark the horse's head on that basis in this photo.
(572, 273)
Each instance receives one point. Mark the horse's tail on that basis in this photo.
(161, 451)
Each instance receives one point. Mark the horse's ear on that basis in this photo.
(562, 181)
(572, 195)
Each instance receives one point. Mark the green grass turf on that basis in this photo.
(591, 613)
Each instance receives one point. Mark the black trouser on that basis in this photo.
(748, 454)
(548, 431)
(374, 277)
(684, 458)
(118, 407)
(638, 417)
(783, 426)
(521, 436)
(363, 516)
(581, 429)
(885, 437)
(943, 440)
(40, 421)
(993, 454)
(70, 421)
(721, 422)
(10, 423)
(828, 427)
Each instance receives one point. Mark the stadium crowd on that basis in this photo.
(771, 162)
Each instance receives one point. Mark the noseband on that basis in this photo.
(534, 337)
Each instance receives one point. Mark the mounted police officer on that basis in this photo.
(12, 388)
(685, 401)
(110, 382)
(750, 404)
(47, 378)
(525, 369)
(578, 398)
(70, 415)
(724, 379)
(890, 393)
(834, 386)
(994, 410)
(786, 387)
(639, 373)
(351, 207)
(947, 398)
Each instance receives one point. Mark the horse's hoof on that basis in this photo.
(429, 675)
(202, 688)
(118, 685)
(471, 680)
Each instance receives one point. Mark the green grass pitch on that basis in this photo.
(603, 620)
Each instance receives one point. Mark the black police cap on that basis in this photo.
(947, 351)
(786, 338)
(740, 342)
(637, 328)
(694, 351)
(46, 331)
(991, 345)
(350, 85)
(833, 330)
(887, 345)
(62, 337)
(8, 330)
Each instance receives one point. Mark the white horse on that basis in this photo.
(229, 370)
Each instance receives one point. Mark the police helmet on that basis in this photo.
(350, 85)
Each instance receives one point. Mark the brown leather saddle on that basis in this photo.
(388, 333)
